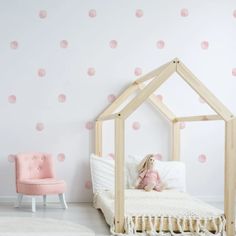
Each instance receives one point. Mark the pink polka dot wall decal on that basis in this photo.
(159, 97)
(111, 98)
(138, 71)
(111, 155)
(234, 13)
(11, 158)
(61, 98)
(89, 125)
(91, 71)
(234, 72)
(64, 44)
(39, 126)
(12, 99)
(182, 125)
(88, 184)
(43, 14)
(204, 45)
(113, 44)
(41, 72)
(184, 12)
(61, 157)
(136, 125)
(139, 13)
(158, 156)
(202, 158)
(160, 44)
(14, 45)
(92, 13)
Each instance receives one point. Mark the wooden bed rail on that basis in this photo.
(198, 118)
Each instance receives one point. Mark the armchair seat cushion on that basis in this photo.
(44, 186)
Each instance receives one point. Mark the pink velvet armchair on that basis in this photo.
(35, 176)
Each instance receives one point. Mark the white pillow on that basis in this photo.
(102, 173)
(172, 173)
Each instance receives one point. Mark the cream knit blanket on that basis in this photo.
(156, 208)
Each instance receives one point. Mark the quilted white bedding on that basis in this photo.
(167, 207)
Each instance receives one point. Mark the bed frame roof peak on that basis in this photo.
(146, 92)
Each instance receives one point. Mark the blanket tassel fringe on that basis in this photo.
(198, 229)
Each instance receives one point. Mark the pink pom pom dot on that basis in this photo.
(12, 99)
(184, 12)
(11, 158)
(182, 125)
(89, 125)
(113, 44)
(14, 45)
(136, 125)
(158, 156)
(234, 71)
(64, 44)
(39, 126)
(234, 13)
(204, 45)
(159, 97)
(92, 13)
(112, 156)
(160, 44)
(91, 71)
(61, 157)
(41, 72)
(43, 14)
(111, 98)
(61, 98)
(139, 13)
(138, 71)
(202, 158)
(88, 184)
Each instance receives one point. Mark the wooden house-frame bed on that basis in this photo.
(146, 92)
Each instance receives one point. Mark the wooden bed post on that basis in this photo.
(98, 138)
(119, 175)
(230, 168)
(175, 155)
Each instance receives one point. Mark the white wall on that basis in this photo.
(30, 39)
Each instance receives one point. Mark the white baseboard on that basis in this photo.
(12, 199)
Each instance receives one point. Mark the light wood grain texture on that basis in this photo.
(108, 117)
(147, 91)
(230, 169)
(119, 175)
(175, 141)
(199, 118)
(119, 100)
(159, 105)
(209, 98)
(152, 74)
(98, 138)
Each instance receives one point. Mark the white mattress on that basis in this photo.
(169, 204)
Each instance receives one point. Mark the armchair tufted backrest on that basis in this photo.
(34, 166)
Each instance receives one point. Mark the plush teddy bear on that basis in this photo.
(148, 178)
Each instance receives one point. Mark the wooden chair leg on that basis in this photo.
(63, 200)
(44, 200)
(19, 200)
(33, 204)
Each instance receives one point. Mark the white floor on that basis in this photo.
(81, 213)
